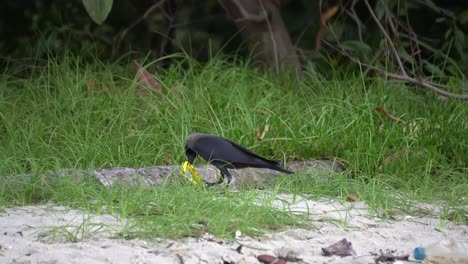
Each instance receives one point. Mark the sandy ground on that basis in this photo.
(41, 234)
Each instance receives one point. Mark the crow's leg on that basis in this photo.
(224, 172)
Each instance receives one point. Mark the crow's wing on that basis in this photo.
(252, 153)
(217, 148)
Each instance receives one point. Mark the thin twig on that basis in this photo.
(413, 34)
(387, 37)
(424, 84)
(137, 21)
(439, 89)
(170, 19)
(418, 81)
(356, 19)
(303, 31)
(244, 14)
(387, 114)
(428, 47)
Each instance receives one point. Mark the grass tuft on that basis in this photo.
(70, 114)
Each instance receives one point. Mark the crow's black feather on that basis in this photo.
(225, 154)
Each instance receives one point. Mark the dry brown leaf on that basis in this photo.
(260, 137)
(262, 112)
(91, 83)
(412, 128)
(268, 259)
(341, 248)
(323, 24)
(145, 79)
(327, 15)
(265, 130)
(179, 89)
(105, 88)
(393, 156)
(352, 198)
(392, 117)
(148, 84)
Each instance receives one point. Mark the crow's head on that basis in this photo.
(190, 146)
(190, 154)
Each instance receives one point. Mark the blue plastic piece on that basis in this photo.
(419, 253)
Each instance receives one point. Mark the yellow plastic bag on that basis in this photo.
(189, 172)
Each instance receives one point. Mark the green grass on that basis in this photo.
(55, 119)
(176, 209)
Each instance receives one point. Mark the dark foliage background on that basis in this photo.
(38, 29)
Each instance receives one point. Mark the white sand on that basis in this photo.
(37, 234)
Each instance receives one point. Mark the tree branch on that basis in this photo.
(403, 76)
(408, 79)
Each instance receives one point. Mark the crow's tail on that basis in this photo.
(281, 169)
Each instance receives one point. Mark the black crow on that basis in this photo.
(225, 154)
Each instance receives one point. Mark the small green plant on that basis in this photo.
(73, 233)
